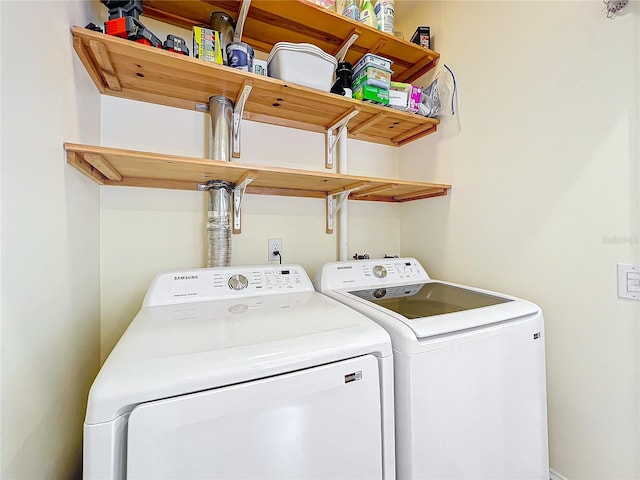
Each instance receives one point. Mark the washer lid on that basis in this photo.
(428, 299)
(171, 350)
(435, 308)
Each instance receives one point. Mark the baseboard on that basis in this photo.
(553, 475)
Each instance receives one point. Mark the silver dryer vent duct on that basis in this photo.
(220, 191)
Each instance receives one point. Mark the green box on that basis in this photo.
(372, 94)
(374, 76)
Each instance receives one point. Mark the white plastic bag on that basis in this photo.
(440, 97)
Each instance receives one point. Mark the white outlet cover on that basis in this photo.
(629, 281)
(271, 243)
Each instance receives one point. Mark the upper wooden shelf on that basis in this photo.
(272, 21)
(112, 166)
(127, 69)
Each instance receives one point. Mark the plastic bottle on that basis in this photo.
(368, 14)
(385, 11)
(348, 8)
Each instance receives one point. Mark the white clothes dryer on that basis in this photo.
(243, 373)
(470, 394)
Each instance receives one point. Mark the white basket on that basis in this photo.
(302, 63)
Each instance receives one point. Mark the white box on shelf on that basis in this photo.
(302, 63)
(260, 67)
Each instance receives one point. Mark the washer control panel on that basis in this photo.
(226, 282)
(373, 272)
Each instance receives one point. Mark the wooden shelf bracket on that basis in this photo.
(332, 138)
(238, 111)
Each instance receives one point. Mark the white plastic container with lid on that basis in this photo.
(372, 60)
(302, 63)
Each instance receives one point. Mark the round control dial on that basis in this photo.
(238, 282)
(379, 271)
(380, 292)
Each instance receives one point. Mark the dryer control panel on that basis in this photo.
(374, 272)
(219, 283)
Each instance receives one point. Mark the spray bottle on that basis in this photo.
(368, 14)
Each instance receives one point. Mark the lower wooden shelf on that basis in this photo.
(113, 166)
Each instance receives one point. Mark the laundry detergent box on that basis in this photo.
(372, 75)
(371, 94)
(206, 45)
(405, 96)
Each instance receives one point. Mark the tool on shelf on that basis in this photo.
(124, 22)
(176, 44)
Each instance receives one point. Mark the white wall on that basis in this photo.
(50, 257)
(545, 199)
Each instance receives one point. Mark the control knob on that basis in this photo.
(379, 271)
(380, 292)
(238, 282)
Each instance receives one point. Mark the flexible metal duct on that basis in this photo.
(220, 191)
(219, 224)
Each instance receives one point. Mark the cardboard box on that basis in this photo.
(328, 4)
(398, 99)
(260, 67)
(206, 45)
(372, 94)
(405, 96)
(422, 37)
(374, 76)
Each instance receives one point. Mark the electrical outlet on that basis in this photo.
(629, 281)
(274, 244)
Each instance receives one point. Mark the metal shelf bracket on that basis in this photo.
(332, 138)
(238, 110)
(242, 17)
(344, 48)
(335, 202)
(238, 194)
(331, 202)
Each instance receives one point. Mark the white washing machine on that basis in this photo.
(470, 395)
(243, 373)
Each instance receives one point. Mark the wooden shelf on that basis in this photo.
(129, 70)
(272, 21)
(112, 166)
